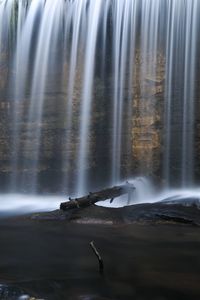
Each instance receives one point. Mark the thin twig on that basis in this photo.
(101, 266)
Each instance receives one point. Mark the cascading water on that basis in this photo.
(124, 24)
(49, 31)
(98, 91)
(25, 30)
(150, 22)
(181, 55)
(89, 60)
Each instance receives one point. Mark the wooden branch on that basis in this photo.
(101, 266)
(176, 219)
(102, 195)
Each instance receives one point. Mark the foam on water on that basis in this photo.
(184, 196)
(19, 204)
(146, 193)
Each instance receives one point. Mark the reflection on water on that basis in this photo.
(54, 261)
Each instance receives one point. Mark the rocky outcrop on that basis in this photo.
(148, 111)
(3, 71)
(141, 133)
(155, 213)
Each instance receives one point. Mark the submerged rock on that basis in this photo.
(160, 212)
(185, 201)
(8, 292)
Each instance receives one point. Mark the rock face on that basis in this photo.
(4, 71)
(137, 116)
(155, 213)
(141, 134)
(143, 129)
(147, 128)
(5, 106)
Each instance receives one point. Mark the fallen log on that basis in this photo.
(102, 195)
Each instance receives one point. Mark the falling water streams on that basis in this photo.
(76, 22)
(122, 12)
(142, 53)
(149, 54)
(189, 94)
(181, 47)
(22, 62)
(91, 39)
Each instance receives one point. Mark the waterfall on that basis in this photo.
(47, 42)
(25, 28)
(76, 21)
(98, 91)
(122, 22)
(181, 47)
(150, 23)
(91, 39)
